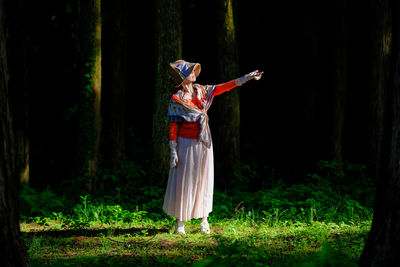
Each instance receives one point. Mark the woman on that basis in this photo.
(189, 191)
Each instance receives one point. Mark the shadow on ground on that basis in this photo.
(95, 232)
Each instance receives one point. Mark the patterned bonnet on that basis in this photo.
(181, 69)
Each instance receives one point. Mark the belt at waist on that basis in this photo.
(189, 130)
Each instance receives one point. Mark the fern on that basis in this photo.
(35, 203)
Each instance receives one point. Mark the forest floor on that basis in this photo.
(321, 222)
(232, 243)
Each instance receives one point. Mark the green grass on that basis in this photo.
(232, 243)
(321, 222)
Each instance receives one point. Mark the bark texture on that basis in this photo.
(114, 82)
(168, 49)
(380, 54)
(382, 247)
(227, 132)
(90, 98)
(12, 247)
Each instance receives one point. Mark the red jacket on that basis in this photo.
(192, 130)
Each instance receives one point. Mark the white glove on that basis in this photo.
(174, 155)
(252, 75)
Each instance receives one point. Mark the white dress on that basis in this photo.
(190, 185)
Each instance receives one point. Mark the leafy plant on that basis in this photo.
(35, 203)
(88, 212)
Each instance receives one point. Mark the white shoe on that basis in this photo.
(179, 228)
(205, 227)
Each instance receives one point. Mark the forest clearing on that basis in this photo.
(232, 243)
(111, 141)
(316, 223)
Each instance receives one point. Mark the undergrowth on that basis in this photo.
(322, 222)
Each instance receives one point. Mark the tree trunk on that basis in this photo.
(340, 78)
(383, 241)
(380, 47)
(227, 106)
(382, 247)
(19, 87)
(90, 98)
(168, 48)
(114, 82)
(12, 247)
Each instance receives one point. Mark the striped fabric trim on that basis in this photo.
(179, 109)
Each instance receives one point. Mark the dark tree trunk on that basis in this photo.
(340, 78)
(382, 247)
(12, 247)
(114, 82)
(90, 97)
(19, 87)
(168, 48)
(380, 47)
(227, 106)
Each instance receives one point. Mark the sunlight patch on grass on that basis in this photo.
(237, 242)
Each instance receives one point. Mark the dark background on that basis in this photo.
(271, 37)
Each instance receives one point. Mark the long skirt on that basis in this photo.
(190, 185)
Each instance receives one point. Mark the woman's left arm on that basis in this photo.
(225, 87)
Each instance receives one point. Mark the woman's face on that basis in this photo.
(191, 78)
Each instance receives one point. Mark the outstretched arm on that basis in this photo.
(225, 87)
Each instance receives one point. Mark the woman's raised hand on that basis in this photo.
(257, 74)
(252, 75)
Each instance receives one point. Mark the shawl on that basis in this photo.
(179, 111)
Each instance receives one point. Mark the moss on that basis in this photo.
(229, 22)
(90, 102)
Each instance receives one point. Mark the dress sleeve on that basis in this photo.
(224, 87)
(173, 131)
